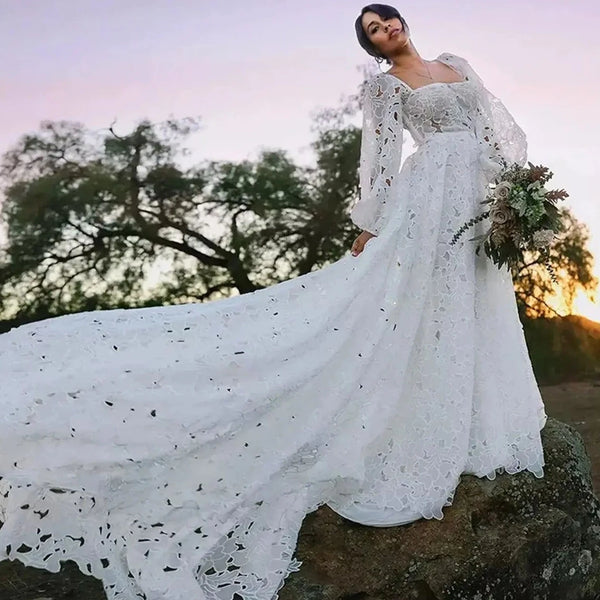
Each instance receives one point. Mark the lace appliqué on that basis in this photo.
(381, 152)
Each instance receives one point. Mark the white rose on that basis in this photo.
(502, 190)
(500, 214)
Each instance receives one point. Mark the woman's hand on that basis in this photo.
(360, 241)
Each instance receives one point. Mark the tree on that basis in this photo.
(573, 264)
(91, 218)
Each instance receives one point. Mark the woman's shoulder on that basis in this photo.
(377, 77)
(451, 57)
(458, 63)
(379, 84)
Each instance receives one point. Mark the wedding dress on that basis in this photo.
(173, 452)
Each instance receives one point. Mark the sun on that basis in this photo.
(583, 306)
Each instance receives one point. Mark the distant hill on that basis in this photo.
(563, 348)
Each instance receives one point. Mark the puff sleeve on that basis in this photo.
(502, 140)
(380, 152)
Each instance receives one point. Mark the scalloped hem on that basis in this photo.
(371, 515)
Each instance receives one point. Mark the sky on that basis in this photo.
(256, 71)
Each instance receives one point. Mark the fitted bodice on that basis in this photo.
(437, 107)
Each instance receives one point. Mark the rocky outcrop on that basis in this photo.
(514, 538)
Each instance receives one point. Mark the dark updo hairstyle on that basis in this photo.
(385, 12)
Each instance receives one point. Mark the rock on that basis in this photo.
(26, 583)
(515, 538)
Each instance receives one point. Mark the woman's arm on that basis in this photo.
(501, 138)
(380, 154)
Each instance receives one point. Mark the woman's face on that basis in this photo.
(387, 35)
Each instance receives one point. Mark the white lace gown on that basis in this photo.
(173, 452)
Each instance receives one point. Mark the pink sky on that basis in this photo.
(254, 71)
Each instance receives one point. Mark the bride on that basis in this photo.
(173, 452)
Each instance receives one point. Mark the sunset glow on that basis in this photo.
(585, 307)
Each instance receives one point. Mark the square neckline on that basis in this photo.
(436, 59)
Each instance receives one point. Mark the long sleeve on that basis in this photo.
(380, 153)
(502, 139)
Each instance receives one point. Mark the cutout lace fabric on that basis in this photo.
(390, 105)
(173, 452)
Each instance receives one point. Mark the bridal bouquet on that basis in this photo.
(523, 216)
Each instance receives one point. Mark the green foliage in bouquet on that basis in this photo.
(523, 216)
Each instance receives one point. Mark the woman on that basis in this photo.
(173, 452)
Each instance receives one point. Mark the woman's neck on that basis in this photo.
(407, 58)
